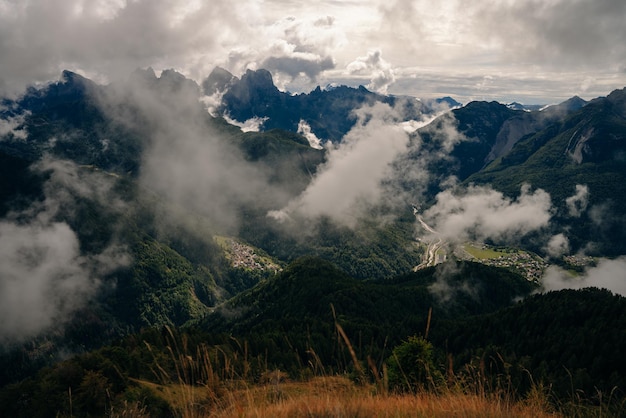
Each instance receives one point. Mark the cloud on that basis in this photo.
(251, 125)
(556, 33)
(13, 126)
(297, 48)
(44, 277)
(186, 159)
(577, 203)
(304, 129)
(558, 245)
(446, 290)
(351, 178)
(416, 171)
(326, 21)
(480, 213)
(608, 274)
(43, 280)
(535, 50)
(379, 71)
(111, 38)
(297, 64)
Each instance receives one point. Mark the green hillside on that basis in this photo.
(307, 297)
(568, 340)
(586, 148)
(312, 319)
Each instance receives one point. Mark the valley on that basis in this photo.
(438, 251)
(523, 262)
(151, 212)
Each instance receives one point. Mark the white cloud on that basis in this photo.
(251, 125)
(44, 277)
(577, 203)
(379, 71)
(532, 52)
(13, 126)
(187, 160)
(480, 212)
(608, 274)
(558, 245)
(444, 289)
(351, 178)
(304, 129)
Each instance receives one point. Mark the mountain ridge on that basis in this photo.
(87, 160)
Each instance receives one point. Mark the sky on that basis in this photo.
(530, 51)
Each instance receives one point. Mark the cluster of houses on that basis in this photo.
(244, 256)
(531, 267)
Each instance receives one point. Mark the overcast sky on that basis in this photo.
(532, 51)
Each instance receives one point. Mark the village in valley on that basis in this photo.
(243, 256)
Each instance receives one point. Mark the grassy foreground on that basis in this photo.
(334, 396)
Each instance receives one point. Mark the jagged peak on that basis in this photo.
(72, 78)
(219, 72)
(71, 83)
(172, 74)
(617, 95)
(575, 101)
(218, 81)
(260, 76)
(147, 74)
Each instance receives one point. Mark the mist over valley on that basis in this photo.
(304, 210)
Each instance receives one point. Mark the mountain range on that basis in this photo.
(142, 206)
(328, 112)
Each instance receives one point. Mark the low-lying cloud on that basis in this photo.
(607, 274)
(13, 127)
(251, 125)
(186, 158)
(557, 246)
(44, 276)
(304, 129)
(446, 290)
(350, 180)
(480, 213)
(577, 203)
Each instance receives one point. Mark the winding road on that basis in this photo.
(430, 256)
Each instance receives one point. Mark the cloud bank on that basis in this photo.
(187, 159)
(481, 213)
(44, 276)
(548, 50)
(608, 274)
(350, 181)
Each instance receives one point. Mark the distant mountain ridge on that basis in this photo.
(329, 112)
(584, 147)
(503, 147)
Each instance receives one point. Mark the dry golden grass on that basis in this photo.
(335, 397)
(220, 392)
